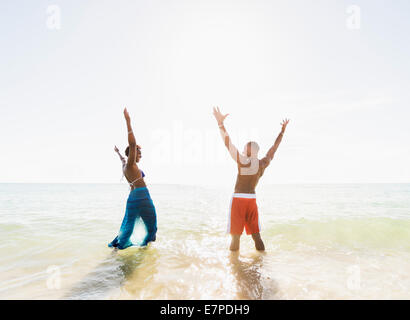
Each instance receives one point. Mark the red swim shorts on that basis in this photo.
(243, 212)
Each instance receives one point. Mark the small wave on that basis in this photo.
(372, 233)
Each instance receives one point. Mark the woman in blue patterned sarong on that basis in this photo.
(139, 203)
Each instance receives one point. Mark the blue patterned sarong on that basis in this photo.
(139, 205)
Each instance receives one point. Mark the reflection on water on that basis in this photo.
(142, 273)
(248, 274)
(111, 273)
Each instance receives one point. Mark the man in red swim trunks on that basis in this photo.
(243, 212)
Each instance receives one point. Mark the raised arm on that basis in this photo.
(119, 154)
(270, 154)
(131, 140)
(233, 151)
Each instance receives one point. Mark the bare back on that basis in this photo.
(246, 183)
(134, 176)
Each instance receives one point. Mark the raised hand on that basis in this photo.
(219, 116)
(116, 149)
(126, 114)
(284, 123)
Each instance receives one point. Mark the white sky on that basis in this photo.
(346, 91)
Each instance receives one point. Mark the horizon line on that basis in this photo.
(209, 185)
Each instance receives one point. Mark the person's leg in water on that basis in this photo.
(149, 217)
(122, 241)
(252, 225)
(236, 222)
(114, 243)
(259, 245)
(126, 232)
(235, 242)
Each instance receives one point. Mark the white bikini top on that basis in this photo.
(124, 165)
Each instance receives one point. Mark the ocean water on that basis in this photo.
(322, 242)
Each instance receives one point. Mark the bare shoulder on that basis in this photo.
(130, 167)
(264, 162)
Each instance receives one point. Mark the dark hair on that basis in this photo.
(127, 150)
